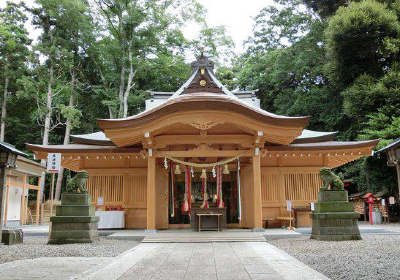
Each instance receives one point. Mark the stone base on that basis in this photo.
(74, 221)
(258, 230)
(71, 229)
(12, 236)
(334, 218)
(335, 226)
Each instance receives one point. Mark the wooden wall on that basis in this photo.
(298, 184)
(121, 187)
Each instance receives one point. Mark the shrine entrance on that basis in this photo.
(179, 217)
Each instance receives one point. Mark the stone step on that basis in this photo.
(201, 239)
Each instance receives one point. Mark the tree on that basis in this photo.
(362, 38)
(140, 31)
(14, 51)
(280, 25)
(76, 25)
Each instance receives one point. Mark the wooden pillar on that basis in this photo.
(23, 202)
(257, 204)
(38, 202)
(7, 186)
(151, 193)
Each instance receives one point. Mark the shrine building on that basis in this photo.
(204, 148)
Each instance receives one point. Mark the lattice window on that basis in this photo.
(137, 188)
(269, 187)
(302, 186)
(110, 187)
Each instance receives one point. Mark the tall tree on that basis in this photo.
(362, 38)
(75, 22)
(14, 52)
(140, 31)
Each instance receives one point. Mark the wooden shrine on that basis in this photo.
(266, 158)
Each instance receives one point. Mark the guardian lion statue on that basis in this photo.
(77, 184)
(331, 179)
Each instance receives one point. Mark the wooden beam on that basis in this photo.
(199, 153)
(257, 204)
(163, 141)
(38, 201)
(23, 202)
(151, 193)
(6, 201)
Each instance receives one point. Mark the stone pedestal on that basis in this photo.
(75, 221)
(334, 218)
(12, 236)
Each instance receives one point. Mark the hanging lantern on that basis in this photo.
(226, 170)
(213, 172)
(203, 174)
(177, 170)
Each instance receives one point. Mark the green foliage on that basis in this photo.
(336, 61)
(14, 52)
(325, 8)
(362, 38)
(279, 25)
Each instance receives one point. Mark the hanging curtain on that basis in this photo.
(171, 191)
(205, 196)
(220, 201)
(238, 192)
(189, 188)
(185, 205)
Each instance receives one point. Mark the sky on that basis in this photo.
(236, 15)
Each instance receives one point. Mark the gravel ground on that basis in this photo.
(374, 257)
(389, 226)
(36, 247)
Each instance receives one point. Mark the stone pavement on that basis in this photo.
(50, 268)
(223, 260)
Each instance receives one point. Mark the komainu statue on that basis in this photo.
(330, 179)
(77, 184)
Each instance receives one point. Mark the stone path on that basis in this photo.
(230, 260)
(50, 268)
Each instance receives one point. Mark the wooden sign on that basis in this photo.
(53, 162)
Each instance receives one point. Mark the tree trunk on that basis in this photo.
(47, 122)
(4, 110)
(132, 74)
(67, 134)
(122, 80)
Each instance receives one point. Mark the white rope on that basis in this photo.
(203, 165)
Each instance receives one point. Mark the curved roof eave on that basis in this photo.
(310, 136)
(329, 145)
(203, 101)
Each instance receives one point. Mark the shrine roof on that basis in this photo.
(96, 138)
(202, 91)
(203, 101)
(392, 145)
(310, 136)
(99, 138)
(70, 148)
(328, 145)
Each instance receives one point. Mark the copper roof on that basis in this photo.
(203, 101)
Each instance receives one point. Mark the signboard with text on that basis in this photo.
(53, 162)
(289, 205)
